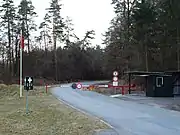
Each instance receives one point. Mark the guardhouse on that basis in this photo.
(158, 84)
(176, 82)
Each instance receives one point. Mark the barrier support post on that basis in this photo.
(122, 90)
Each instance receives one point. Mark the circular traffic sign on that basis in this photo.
(79, 86)
(115, 78)
(74, 86)
(115, 73)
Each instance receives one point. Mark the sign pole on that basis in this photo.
(115, 81)
(27, 110)
(28, 85)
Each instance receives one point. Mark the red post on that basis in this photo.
(122, 87)
(122, 90)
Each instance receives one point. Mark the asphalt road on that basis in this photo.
(126, 117)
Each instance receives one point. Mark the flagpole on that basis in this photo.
(21, 49)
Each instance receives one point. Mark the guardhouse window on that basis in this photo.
(159, 81)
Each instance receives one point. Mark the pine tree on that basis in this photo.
(8, 17)
(68, 31)
(58, 26)
(27, 14)
(45, 35)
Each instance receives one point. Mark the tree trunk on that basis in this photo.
(9, 50)
(178, 62)
(12, 53)
(55, 59)
(55, 55)
(45, 43)
(146, 53)
(16, 57)
(128, 24)
(3, 57)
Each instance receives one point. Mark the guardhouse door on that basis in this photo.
(159, 87)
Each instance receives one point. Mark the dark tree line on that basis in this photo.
(44, 56)
(144, 35)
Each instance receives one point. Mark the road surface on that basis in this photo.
(126, 117)
(168, 102)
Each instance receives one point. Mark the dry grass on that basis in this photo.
(47, 115)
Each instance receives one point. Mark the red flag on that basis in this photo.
(22, 40)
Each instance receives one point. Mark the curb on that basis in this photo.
(88, 114)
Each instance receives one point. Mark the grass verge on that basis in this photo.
(48, 116)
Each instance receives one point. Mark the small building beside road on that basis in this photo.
(158, 84)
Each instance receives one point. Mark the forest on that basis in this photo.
(144, 35)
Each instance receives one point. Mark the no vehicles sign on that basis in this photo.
(115, 73)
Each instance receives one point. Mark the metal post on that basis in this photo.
(114, 90)
(129, 78)
(27, 111)
(122, 90)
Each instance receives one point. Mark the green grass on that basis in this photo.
(48, 116)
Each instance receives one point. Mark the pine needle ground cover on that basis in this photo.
(47, 116)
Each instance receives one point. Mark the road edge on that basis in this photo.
(86, 113)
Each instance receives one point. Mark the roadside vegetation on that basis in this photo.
(48, 116)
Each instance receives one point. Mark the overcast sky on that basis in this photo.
(86, 15)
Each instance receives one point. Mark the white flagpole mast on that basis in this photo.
(21, 49)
